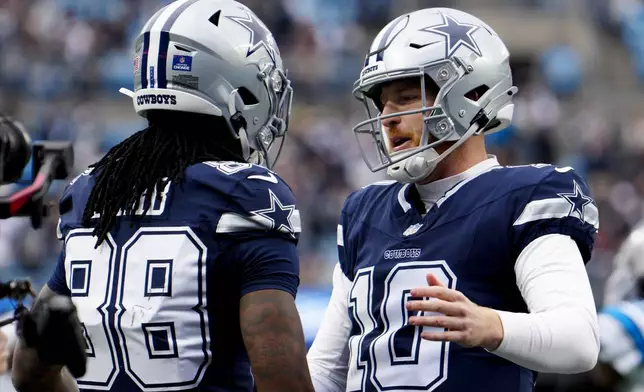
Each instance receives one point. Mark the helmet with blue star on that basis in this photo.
(448, 74)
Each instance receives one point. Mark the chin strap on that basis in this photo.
(420, 166)
(239, 123)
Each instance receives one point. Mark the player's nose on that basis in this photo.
(390, 120)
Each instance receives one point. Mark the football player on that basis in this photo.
(626, 281)
(503, 249)
(621, 321)
(179, 249)
(621, 358)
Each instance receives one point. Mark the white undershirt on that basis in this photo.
(434, 191)
(559, 335)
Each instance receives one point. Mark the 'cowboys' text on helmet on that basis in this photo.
(215, 57)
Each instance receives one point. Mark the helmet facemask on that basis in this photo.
(264, 149)
(438, 127)
(271, 137)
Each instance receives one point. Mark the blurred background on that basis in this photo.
(579, 65)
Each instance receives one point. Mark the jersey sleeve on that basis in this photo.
(261, 223)
(71, 206)
(266, 263)
(346, 234)
(560, 203)
(57, 282)
(260, 201)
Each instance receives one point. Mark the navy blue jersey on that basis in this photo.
(159, 299)
(470, 240)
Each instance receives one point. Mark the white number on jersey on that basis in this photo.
(159, 330)
(378, 359)
(229, 168)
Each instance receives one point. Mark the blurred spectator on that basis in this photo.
(63, 62)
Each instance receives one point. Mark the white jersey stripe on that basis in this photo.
(152, 73)
(555, 208)
(404, 204)
(234, 223)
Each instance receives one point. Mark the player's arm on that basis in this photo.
(553, 235)
(560, 332)
(559, 335)
(29, 373)
(328, 357)
(270, 323)
(272, 332)
(263, 226)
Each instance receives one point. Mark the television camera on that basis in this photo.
(51, 161)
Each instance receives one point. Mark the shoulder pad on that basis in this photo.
(370, 196)
(560, 202)
(258, 199)
(560, 192)
(530, 175)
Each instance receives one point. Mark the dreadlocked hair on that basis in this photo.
(146, 161)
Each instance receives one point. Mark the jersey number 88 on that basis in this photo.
(142, 307)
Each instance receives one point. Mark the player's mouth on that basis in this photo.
(400, 143)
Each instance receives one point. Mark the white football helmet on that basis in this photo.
(460, 54)
(215, 57)
(626, 282)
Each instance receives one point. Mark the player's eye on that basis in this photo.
(408, 97)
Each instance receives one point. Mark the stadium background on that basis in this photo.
(579, 65)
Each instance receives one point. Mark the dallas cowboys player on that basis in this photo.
(502, 248)
(180, 252)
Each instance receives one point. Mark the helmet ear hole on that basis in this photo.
(476, 93)
(247, 97)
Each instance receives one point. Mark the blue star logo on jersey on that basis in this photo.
(577, 201)
(259, 34)
(456, 34)
(278, 214)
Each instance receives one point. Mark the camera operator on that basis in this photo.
(47, 345)
(50, 349)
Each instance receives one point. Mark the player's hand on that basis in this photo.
(464, 322)
(52, 327)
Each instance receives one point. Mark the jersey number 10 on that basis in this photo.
(395, 358)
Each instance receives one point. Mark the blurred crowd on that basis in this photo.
(63, 61)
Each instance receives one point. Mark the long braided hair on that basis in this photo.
(147, 160)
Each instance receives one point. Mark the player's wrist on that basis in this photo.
(495, 327)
